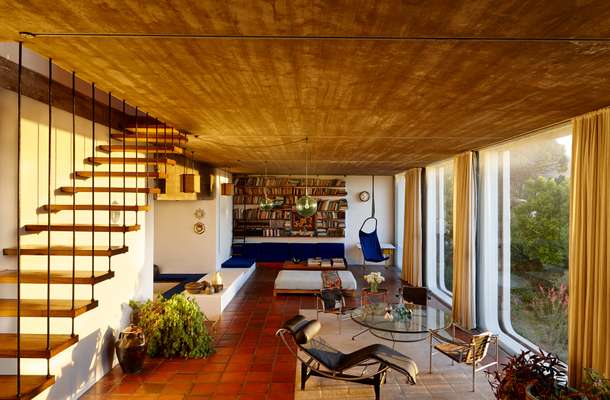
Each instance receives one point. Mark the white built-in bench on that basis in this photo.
(233, 279)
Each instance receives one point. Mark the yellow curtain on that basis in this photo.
(589, 285)
(412, 245)
(464, 239)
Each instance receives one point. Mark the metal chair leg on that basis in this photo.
(474, 368)
(430, 369)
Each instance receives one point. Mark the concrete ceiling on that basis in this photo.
(383, 85)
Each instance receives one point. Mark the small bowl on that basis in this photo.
(193, 287)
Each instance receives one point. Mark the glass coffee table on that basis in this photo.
(413, 328)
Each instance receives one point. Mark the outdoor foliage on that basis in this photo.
(539, 223)
(539, 218)
(173, 327)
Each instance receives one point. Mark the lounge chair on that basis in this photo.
(367, 365)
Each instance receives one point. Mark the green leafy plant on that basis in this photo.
(173, 327)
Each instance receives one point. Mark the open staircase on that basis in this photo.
(134, 142)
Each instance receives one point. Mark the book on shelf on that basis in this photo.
(286, 181)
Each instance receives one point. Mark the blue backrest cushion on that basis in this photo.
(330, 250)
(250, 250)
(303, 251)
(273, 252)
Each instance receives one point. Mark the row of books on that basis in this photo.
(331, 232)
(331, 214)
(241, 199)
(332, 205)
(255, 213)
(325, 262)
(321, 223)
(266, 232)
(286, 181)
(290, 191)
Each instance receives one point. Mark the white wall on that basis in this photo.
(178, 249)
(77, 368)
(358, 211)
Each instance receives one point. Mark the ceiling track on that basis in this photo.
(135, 35)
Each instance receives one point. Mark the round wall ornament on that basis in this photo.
(364, 196)
(199, 228)
(199, 213)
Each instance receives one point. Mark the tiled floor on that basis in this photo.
(250, 361)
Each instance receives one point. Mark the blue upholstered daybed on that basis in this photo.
(246, 254)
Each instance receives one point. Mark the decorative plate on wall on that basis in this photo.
(364, 196)
(199, 228)
(199, 213)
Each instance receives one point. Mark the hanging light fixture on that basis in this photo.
(266, 204)
(306, 206)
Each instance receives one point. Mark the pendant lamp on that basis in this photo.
(265, 204)
(306, 206)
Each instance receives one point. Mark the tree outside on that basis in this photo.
(539, 244)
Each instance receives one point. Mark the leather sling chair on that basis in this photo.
(367, 365)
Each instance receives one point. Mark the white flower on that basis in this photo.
(374, 277)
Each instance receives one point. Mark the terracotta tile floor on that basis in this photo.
(250, 361)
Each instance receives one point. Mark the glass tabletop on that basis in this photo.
(388, 318)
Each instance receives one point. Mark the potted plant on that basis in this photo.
(374, 279)
(173, 327)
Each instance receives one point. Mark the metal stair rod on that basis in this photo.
(124, 194)
(137, 167)
(73, 197)
(49, 141)
(93, 190)
(19, 77)
(109, 177)
(146, 165)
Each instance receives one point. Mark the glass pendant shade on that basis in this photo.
(306, 206)
(266, 204)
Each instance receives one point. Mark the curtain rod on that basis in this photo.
(136, 35)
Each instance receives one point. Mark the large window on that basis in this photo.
(439, 239)
(524, 239)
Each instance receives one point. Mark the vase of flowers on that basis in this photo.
(374, 279)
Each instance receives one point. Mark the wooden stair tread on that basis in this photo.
(158, 148)
(57, 276)
(129, 160)
(88, 207)
(38, 307)
(119, 174)
(81, 228)
(31, 386)
(33, 250)
(159, 137)
(34, 345)
(85, 189)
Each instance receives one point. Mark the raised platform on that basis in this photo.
(233, 279)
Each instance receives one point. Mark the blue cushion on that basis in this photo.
(273, 252)
(238, 262)
(250, 250)
(330, 250)
(302, 251)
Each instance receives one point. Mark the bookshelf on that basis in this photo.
(282, 221)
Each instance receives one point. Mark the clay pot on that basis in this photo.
(131, 349)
